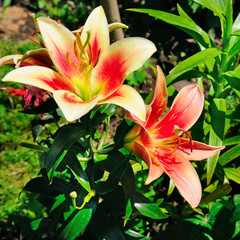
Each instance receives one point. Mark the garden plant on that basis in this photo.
(117, 164)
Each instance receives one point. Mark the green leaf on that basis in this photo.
(212, 6)
(220, 192)
(218, 112)
(234, 114)
(122, 129)
(76, 168)
(186, 25)
(48, 106)
(34, 146)
(236, 33)
(135, 235)
(233, 79)
(191, 62)
(114, 178)
(128, 211)
(104, 111)
(74, 221)
(234, 49)
(76, 225)
(148, 208)
(170, 187)
(183, 230)
(104, 227)
(231, 141)
(65, 138)
(182, 13)
(41, 186)
(188, 74)
(233, 174)
(230, 155)
(36, 228)
(6, 3)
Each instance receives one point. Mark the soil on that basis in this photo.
(17, 22)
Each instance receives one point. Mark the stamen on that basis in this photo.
(90, 53)
(175, 142)
(97, 59)
(37, 41)
(84, 46)
(35, 32)
(76, 49)
(79, 30)
(69, 62)
(79, 42)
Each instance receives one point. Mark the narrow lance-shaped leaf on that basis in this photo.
(181, 22)
(114, 177)
(34, 146)
(236, 33)
(231, 141)
(182, 13)
(212, 6)
(128, 211)
(233, 174)
(218, 113)
(220, 192)
(233, 79)
(66, 137)
(77, 170)
(230, 155)
(191, 62)
(148, 208)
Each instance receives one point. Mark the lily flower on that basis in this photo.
(88, 71)
(165, 144)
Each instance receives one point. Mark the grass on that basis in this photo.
(18, 164)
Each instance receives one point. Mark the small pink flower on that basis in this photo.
(32, 96)
(165, 145)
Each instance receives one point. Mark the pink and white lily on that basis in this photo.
(165, 145)
(88, 70)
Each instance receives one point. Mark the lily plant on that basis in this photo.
(165, 144)
(87, 70)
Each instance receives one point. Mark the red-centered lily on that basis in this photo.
(165, 145)
(88, 70)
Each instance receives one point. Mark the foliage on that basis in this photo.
(70, 13)
(220, 64)
(92, 188)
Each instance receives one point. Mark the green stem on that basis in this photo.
(104, 134)
(73, 195)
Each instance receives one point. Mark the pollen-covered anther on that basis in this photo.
(37, 41)
(97, 59)
(179, 143)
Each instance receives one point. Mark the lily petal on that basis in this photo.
(128, 98)
(97, 26)
(159, 99)
(131, 117)
(154, 173)
(184, 176)
(119, 60)
(40, 77)
(39, 57)
(72, 106)
(186, 109)
(10, 59)
(59, 42)
(197, 150)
